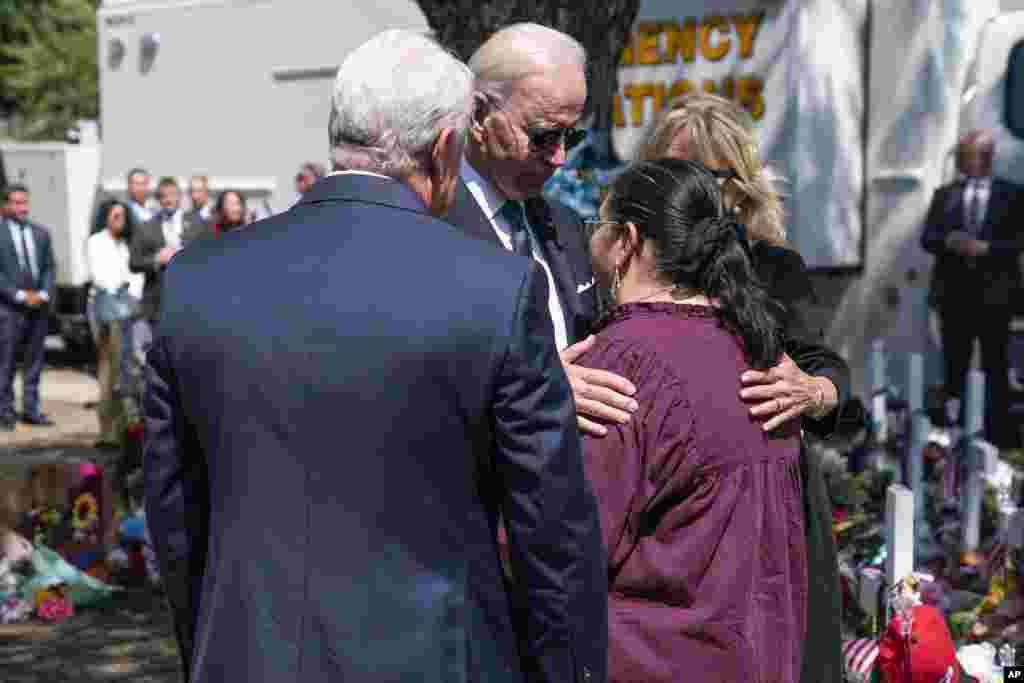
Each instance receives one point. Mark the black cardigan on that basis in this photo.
(785, 276)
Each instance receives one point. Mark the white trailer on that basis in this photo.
(62, 181)
(238, 90)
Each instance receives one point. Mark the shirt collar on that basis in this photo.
(486, 194)
(983, 180)
(369, 173)
(491, 200)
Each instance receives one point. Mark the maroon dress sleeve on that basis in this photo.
(636, 466)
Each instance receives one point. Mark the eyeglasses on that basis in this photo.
(552, 137)
(592, 225)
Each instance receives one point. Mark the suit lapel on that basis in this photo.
(466, 215)
(157, 232)
(955, 203)
(12, 250)
(998, 199)
(10, 253)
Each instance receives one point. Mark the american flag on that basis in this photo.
(859, 655)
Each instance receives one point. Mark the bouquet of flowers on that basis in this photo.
(14, 610)
(54, 604)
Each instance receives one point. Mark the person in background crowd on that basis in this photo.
(532, 86)
(307, 177)
(27, 280)
(152, 246)
(812, 383)
(700, 508)
(199, 194)
(154, 243)
(973, 230)
(245, 503)
(230, 213)
(116, 291)
(139, 202)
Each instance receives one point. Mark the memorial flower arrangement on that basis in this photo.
(973, 596)
(46, 525)
(14, 610)
(54, 604)
(85, 517)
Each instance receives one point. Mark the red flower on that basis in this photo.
(56, 610)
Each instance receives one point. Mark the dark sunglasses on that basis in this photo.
(546, 139)
(724, 174)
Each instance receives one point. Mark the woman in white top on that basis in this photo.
(113, 281)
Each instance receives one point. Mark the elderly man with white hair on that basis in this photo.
(331, 438)
(531, 83)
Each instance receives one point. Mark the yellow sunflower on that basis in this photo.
(85, 511)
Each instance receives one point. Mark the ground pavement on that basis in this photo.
(67, 395)
(130, 640)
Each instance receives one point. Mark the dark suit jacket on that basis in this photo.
(992, 279)
(785, 276)
(10, 267)
(329, 442)
(147, 241)
(559, 230)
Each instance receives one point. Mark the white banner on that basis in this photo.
(797, 66)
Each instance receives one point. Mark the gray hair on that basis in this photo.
(392, 96)
(522, 50)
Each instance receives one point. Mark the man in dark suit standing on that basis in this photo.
(532, 88)
(27, 276)
(973, 229)
(153, 244)
(157, 240)
(324, 470)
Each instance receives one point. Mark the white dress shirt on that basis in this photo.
(491, 201)
(173, 228)
(33, 261)
(108, 264)
(982, 187)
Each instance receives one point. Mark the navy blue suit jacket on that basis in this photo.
(340, 401)
(9, 264)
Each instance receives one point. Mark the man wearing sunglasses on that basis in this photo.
(532, 88)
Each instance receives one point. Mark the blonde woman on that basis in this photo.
(812, 382)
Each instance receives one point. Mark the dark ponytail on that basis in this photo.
(677, 205)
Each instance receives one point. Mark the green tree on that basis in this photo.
(48, 69)
(602, 26)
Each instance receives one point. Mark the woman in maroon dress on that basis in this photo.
(701, 509)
